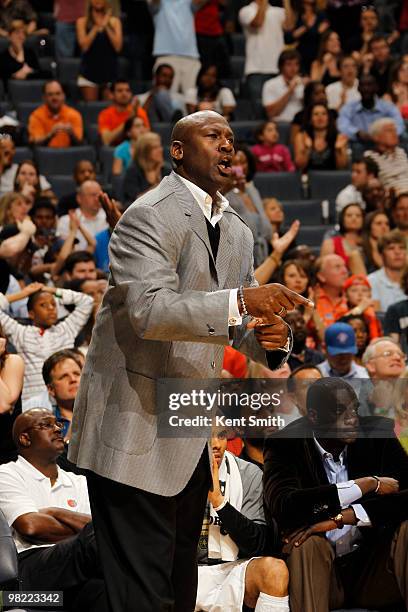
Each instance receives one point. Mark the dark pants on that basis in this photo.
(374, 576)
(214, 52)
(148, 543)
(71, 566)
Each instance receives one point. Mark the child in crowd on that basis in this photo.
(271, 156)
(358, 295)
(45, 336)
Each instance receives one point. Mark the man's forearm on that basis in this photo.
(74, 520)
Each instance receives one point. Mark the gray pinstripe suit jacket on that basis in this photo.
(165, 295)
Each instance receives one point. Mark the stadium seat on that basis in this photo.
(312, 235)
(62, 185)
(237, 66)
(68, 69)
(164, 130)
(25, 91)
(49, 64)
(22, 153)
(244, 130)
(106, 159)
(90, 110)
(24, 110)
(92, 134)
(326, 184)
(280, 185)
(62, 160)
(309, 212)
(244, 110)
(284, 132)
(117, 187)
(238, 44)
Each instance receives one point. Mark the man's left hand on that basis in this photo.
(298, 537)
(215, 496)
(272, 336)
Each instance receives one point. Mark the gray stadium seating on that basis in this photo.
(237, 66)
(24, 110)
(106, 158)
(238, 44)
(25, 91)
(307, 211)
(62, 185)
(326, 184)
(22, 153)
(312, 235)
(280, 185)
(244, 130)
(62, 161)
(68, 69)
(91, 110)
(164, 130)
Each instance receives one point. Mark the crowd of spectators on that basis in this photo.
(312, 88)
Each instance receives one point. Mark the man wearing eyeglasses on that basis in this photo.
(49, 513)
(385, 363)
(337, 485)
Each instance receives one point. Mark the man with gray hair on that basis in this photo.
(385, 363)
(90, 214)
(391, 159)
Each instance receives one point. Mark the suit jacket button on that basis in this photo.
(213, 365)
(211, 331)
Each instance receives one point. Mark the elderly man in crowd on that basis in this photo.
(90, 214)
(385, 362)
(337, 484)
(391, 159)
(386, 282)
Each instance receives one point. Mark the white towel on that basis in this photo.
(221, 546)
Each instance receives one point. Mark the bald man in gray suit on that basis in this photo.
(177, 256)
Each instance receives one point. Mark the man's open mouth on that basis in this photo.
(225, 166)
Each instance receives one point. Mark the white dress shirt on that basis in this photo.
(205, 201)
(349, 492)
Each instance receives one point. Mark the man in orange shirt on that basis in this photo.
(54, 124)
(330, 300)
(111, 121)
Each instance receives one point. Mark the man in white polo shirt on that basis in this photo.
(282, 97)
(49, 513)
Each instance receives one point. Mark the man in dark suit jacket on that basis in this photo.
(337, 484)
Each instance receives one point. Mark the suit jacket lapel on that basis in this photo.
(192, 210)
(224, 249)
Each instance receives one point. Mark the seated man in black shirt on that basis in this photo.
(337, 484)
(233, 533)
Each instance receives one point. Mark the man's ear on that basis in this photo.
(51, 391)
(320, 277)
(370, 367)
(24, 440)
(176, 151)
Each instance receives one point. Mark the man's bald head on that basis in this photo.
(332, 271)
(26, 420)
(183, 128)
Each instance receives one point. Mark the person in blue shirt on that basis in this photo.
(123, 153)
(356, 117)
